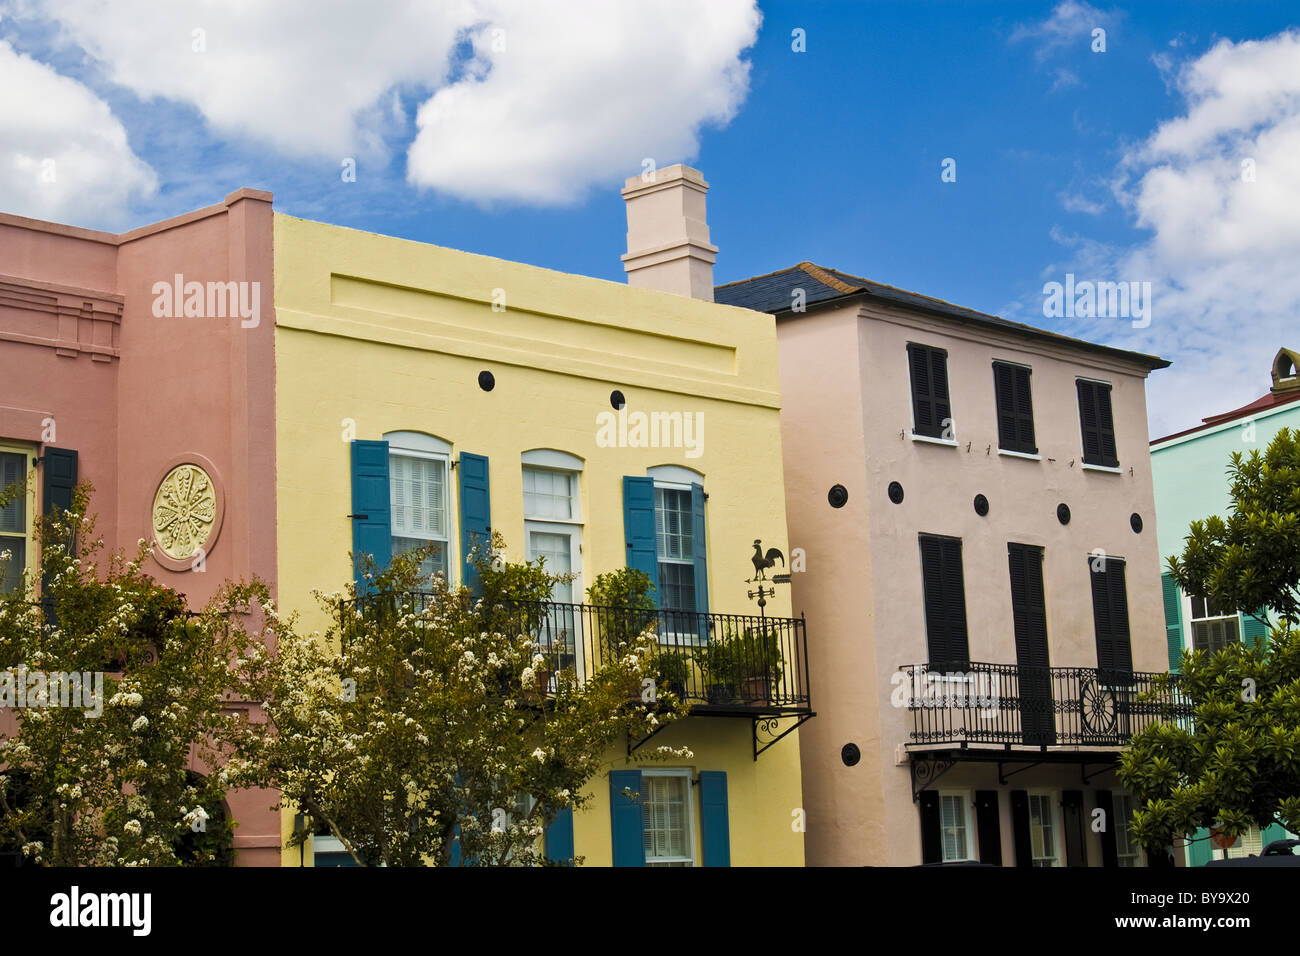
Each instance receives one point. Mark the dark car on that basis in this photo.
(1277, 853)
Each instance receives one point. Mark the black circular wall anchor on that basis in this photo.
(981, 505)
(895, 492)
(850, 754)
(1063, 513)
(616, 399)
(838, 496)
(487, 381)
(1135, 522)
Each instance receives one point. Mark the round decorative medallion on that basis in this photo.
(1135, 522)
(1063, 513)
(616, 399)
(895, 492)
(850, 754)
(981, 505)
(838, 496)
(184, 511)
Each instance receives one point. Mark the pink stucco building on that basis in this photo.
(102, 380)
(974, 499)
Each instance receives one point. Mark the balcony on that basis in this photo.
(721, 665)
(1009, 706)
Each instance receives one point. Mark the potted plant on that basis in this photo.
(758, 665)
(670, 673)
(721, 665)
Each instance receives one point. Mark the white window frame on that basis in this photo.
(674, 638)
(1188, 610)
(968, 829)
(31, 560)
(685, 774)
(1053, 801)
(1125, 804)
(407, 444)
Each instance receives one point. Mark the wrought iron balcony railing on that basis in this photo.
(1014, 706)
(740, 664)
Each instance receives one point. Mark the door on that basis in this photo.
(1029, 613)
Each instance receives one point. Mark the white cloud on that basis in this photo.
(1223, 252)
(1073, 202)
(63, 154)
(575, 97)
(574, 100)
(1068, 30)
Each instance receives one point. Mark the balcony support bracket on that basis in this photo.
(926, 771)
(1002, 777)
(1086, 777)
(767, 726)
(633, 746)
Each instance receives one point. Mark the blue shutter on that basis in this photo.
(372, 531)
(475, 511)
(699, 543)
(625, 816)
(1254, 630)
(559, 837)
(1173, 598)
(713, 818)
(639, 528)
(60, 481)
(455, 847)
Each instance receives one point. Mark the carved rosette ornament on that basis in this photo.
(184, 511)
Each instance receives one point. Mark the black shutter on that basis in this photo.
(1076, 841)
(1109, 846)
(990, 827)
(931, 828)
(59, 480)
(1029, 620)
(931, 406)
(1097, 423)
(1020, 827)
(945, 603)
(1110, 620)
(1015, 408)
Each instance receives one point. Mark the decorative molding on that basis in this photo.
(70, 320)
(185, 511)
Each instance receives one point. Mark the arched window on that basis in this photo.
(419, 469)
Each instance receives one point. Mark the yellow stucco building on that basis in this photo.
(570, 414)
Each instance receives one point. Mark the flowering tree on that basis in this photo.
(430, 737)
(115, 687)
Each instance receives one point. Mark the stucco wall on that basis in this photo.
(392, 335)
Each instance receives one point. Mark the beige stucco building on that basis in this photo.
(974, 501)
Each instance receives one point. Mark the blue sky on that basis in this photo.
(479, 125)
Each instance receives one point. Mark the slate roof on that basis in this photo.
(773, 293)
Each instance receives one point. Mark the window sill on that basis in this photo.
(1103, 468)
(950, 442)
(1020, 454)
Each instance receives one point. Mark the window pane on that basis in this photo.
(952, 809)
(548, 495)
(673, 524)
(557, 549)
(13, 516)
(419, 497)
(664, 808)
(677, 586)
(11, 575)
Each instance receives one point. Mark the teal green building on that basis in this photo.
(1189, 471)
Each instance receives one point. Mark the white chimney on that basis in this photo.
(667, 233)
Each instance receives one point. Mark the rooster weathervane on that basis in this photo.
(761, 563)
